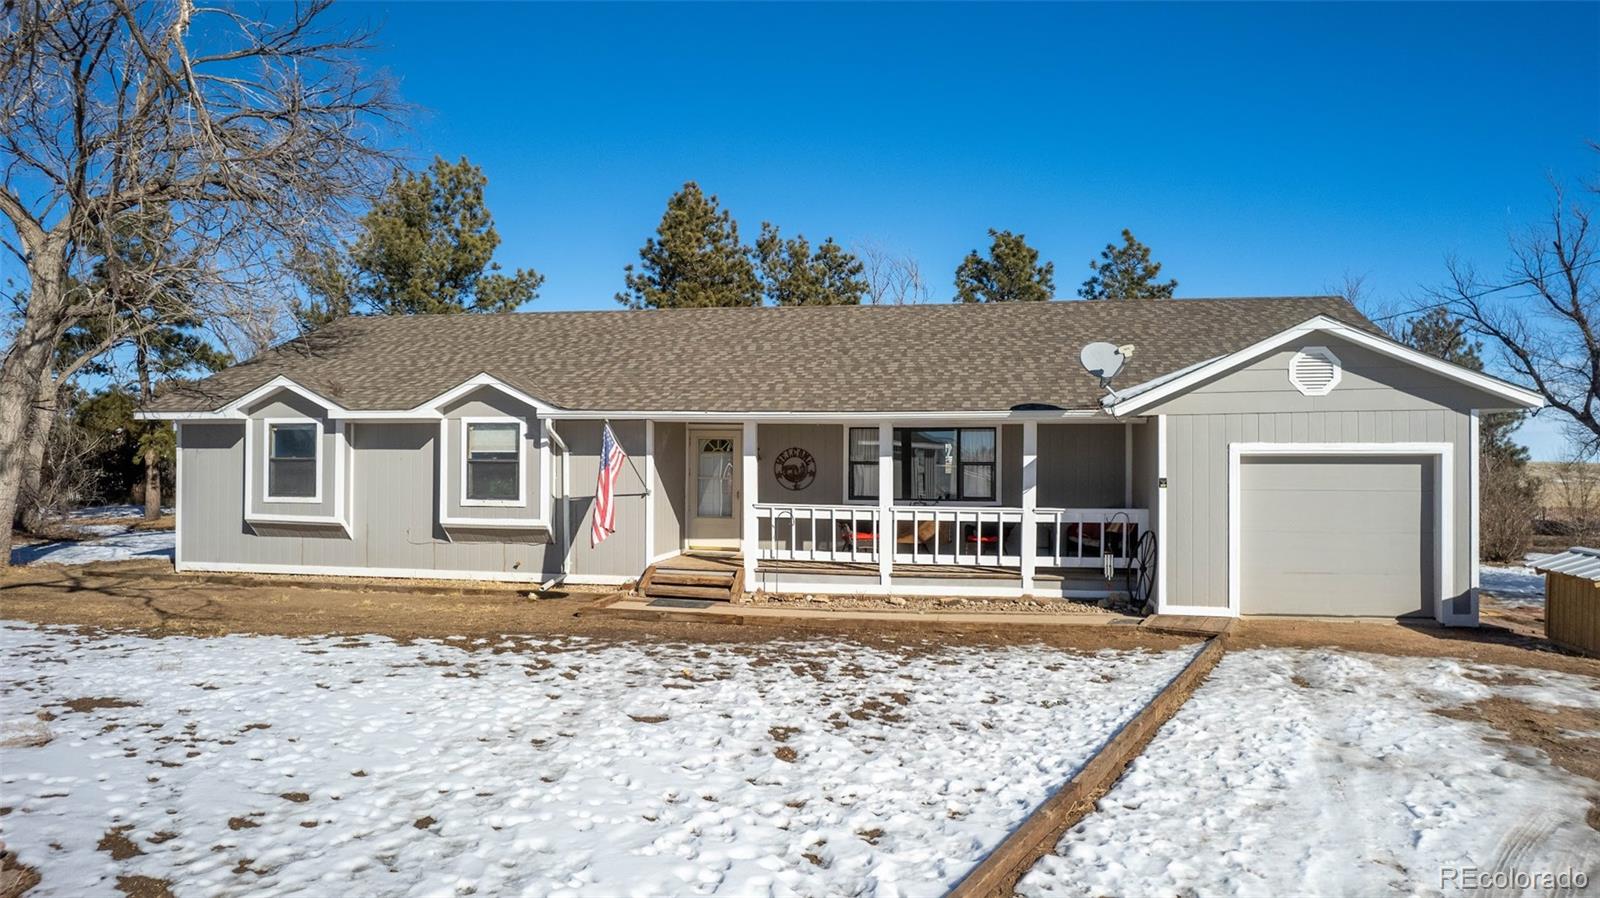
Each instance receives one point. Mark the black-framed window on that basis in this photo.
(292, 461)
(863, 462)
(493, 468)
(931, 464)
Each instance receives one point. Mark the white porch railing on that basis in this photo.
(817, 532)
(1078, 537)
(989, 536)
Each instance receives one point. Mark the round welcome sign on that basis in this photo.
(795, 468)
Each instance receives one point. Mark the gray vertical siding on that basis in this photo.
(394, 513)
(671, 500)
(1378, 400)
(623, 553)
(1081, 465)
(825, 442)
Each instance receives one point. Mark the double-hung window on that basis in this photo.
(494, 462)
(292, 461)
(930, 464)
(863, 463)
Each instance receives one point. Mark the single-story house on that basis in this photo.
(1264, 456)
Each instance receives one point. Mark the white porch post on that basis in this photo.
(885, 536)
(1030, 502)
(750, 488)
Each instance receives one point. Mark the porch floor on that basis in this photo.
(703, 562)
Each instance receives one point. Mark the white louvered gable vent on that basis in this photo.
(1315, 371)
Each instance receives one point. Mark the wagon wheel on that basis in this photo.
(1142, 576)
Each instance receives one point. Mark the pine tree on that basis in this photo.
(425, 247)
(695, 259)
(1126, 272)
(793, 275)
(1011, 273)
(1442, 335)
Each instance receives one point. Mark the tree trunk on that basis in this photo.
(152, 458)
(43, 420)
(26, 364)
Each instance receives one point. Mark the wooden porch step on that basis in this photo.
(667, 580)
(668, 590)
(678, 577)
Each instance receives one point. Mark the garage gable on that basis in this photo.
(1322, 365)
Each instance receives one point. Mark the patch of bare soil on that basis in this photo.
(115, 841)
(1569, 736)
(1486, 645)
(86, 705)
(144, 887)
(15, 877)
(146, 596)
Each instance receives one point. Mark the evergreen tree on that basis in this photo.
(1442, 335)
(425, 247)
(1126, 272)
(793, 275)
(695, 259)
(1011, 273)
(166, 337)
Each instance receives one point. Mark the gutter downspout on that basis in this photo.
(566, 491)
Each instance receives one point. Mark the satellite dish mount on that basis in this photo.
(1105, 360)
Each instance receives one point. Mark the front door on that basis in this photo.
(715, 457)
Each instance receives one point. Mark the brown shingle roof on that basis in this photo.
(949, 357)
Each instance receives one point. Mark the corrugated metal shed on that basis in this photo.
(1575, 562)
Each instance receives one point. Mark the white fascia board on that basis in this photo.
(430, 408)
(1154, 391)
(823, 417)
(272, 386)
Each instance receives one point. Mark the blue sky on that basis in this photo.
(1259, 149)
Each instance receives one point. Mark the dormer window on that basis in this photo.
(293, 473)
(493, 466)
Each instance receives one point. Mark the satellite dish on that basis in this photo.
(1104, 360)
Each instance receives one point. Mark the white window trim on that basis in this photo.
(1320, 352)
(341, 462)
(442, 481)
(522, 463)
(266, 459)
(999, 469)
(1444, 511)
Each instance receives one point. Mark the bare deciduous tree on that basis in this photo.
(1543, 315)
(893, 278)
(235, 139)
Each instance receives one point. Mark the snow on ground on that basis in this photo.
(1324, 772)
(96, 512)
(1516, 585)
(118, 546)
(538, 766)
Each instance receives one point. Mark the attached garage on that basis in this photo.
(1351, 532)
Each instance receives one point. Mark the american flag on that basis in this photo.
(605, 492)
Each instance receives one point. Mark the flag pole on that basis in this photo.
(635, 467)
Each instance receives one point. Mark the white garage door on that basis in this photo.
(1336, 536)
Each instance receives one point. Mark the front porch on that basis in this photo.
(1045, 507)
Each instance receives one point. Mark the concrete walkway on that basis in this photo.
(719, 612)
